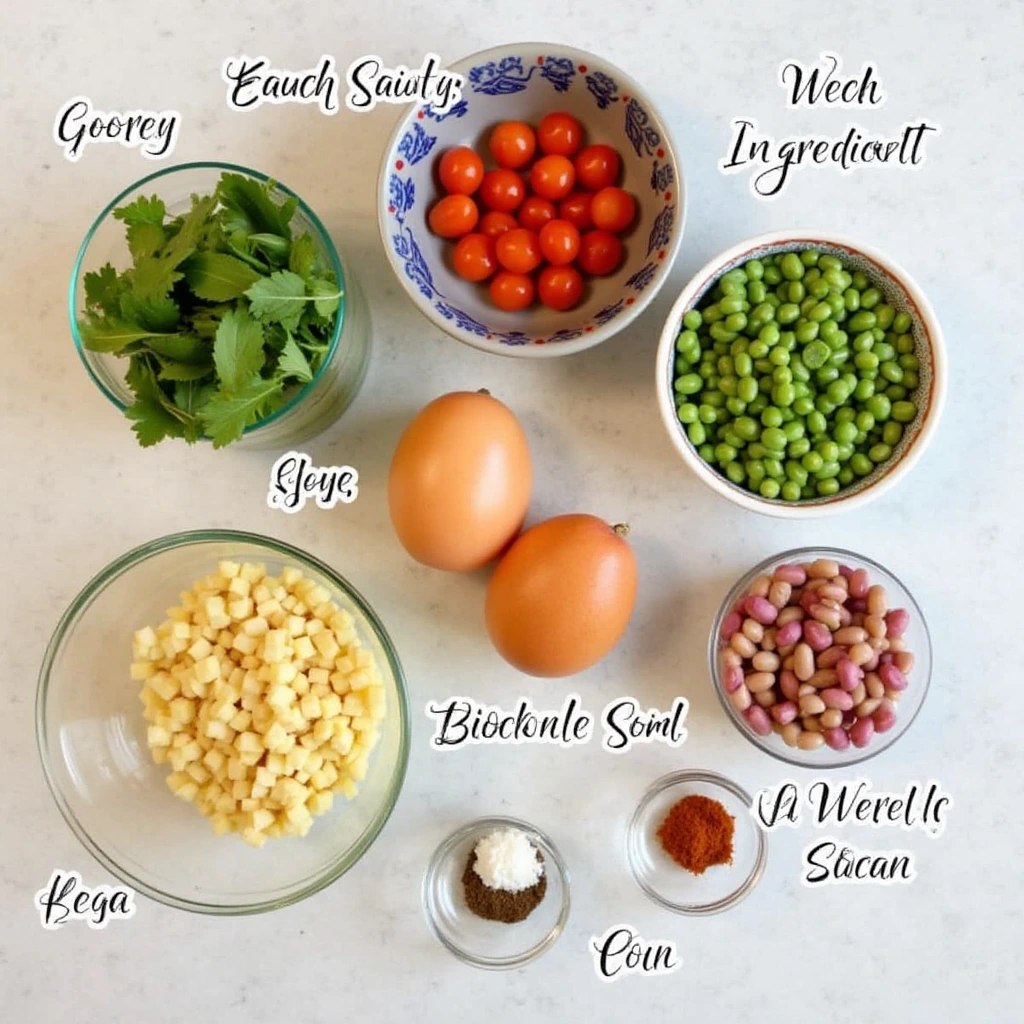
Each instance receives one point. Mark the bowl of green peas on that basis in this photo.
(801, 374)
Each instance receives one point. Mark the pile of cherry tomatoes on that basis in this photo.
(546, 222)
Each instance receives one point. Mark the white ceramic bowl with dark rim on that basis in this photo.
(899, 290)
(525, 81)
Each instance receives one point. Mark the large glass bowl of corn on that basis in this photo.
(223, 722)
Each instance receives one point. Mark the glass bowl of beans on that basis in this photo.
(820, 657)
(801, 374)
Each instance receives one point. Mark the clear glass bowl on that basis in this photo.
(673, 887)
(92, 740)
(311, 408)
(492, 945)
(917, 638)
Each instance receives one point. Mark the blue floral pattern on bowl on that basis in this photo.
(496, 80)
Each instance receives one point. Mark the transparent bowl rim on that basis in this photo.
(324, 237)
(778, 508)
(444, 850)
(80, 605)
(600, 333)
(709, 778)
(886, 740)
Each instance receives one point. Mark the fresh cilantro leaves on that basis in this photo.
(223, 314)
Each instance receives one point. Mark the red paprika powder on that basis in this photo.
(697, 833)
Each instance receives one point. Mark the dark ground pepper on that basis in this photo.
(497, 904)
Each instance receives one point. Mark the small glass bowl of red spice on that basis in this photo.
(692, 844)
(522, 925)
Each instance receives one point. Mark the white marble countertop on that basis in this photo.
(78, 492)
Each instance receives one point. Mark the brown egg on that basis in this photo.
(460, 482)
(561, 597)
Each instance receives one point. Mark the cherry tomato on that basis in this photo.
(597, 167)
(559, 242)
(518, 250)
(612, 209)
(512, 144)
(474, 257)
(453, 216)
(494, 222)
(560, 134)
(511, 292)
(600, 253)
(535, 213)
(575, 208)
(560, 287)
(552, 177)
(502, 190)
(461, 170)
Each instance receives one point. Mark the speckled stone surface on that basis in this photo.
(78, 492)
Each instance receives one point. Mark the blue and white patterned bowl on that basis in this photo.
(524, 82)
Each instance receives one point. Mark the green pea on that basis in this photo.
(794, 430)
(792, 267)
(687, 342)
(724, 365)
(816, 424)
(787, 313)
(796, 472)
(758, 405)
(720, 332)
(903, 412)
(901, 323)
(687, 412)
(824, 405)
(905, 344)
(839, 358)
(706, 412)
(860, 280)
(688, 384)
(731, 304)
(769, 488)
(884, 314)
(861, 464)
(798, 448)
(727, 385)
(838, 392)
(754, 269)
(769, 334)
(845, 477)
(827, 487)
(815, 354)
(892, 372)
(782, 375)
(851, 300)
(865, 361)
(864, 342)
(806, 332)
(733, 287)
(736, 406)
(772, 275)
(707, 453)
(896, 393)
(735, 472)
(779, 356)
(787, 340)
(757, 349)
(773, 439)
(742, 364)
(911, 380)
(771, 417)
(826, 375)
(729, 436)
(756, 291)
(869, 298)
(809, 257)
(803, 405)
(755, 467)
(773, 467)
(892, 432)
(735, 322)
(724, 453)
(827, 449)
(879, 406)
(692, 319)
(795, 291)
(845, 433)
(747, 427)
(696, 433)
(746, 389)
(827, 262)
(864, 390)
(845, 415)
(818, 288)
(828, 470)
(756, 450)
(863, 320)
(782, 394)
(879, 453)
(712, 314)
(909, 361)
(790, 491)
(764, 366)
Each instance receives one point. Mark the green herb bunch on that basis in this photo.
(222, 314)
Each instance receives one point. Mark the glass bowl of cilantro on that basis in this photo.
(208, 303)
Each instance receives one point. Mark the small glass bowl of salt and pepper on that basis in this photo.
(496, 893)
